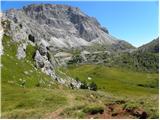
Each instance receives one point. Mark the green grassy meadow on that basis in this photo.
(29, 93)
(117, 80)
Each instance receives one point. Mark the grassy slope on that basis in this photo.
(39, 100)
(20, 100)
(116, 80)
(29, 100)
(123, 83)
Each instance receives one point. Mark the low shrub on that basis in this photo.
(84, 85)
(93, 86)
(93, 110)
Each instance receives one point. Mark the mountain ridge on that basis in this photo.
(60, 24)
(152, 46)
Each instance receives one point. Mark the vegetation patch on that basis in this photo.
(115, 80)
(93, 110)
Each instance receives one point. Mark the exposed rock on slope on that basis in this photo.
(1, 35)
(58, 25)
(21, 51)
(122, 45)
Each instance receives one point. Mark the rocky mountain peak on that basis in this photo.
(61, 26)
(63, 16)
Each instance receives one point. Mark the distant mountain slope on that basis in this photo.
(153, 46)
(122, 45)
(145, 58)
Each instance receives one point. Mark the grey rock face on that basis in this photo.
(46, 67)
(21, 51)
(1, 46)
(58, 25)
(84, 54)
(42, 49)
(39, 60)
(1, 35)
(44, 63)
(62, 58)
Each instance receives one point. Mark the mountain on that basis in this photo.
(57, 62)
(153, 46)
(144, 58)
(58, 26)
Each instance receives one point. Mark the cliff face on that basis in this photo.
(58, 26)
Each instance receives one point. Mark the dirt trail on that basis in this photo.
(54, 115)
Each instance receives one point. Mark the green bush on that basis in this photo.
(38, 84)
(145, 61)
(31, 52)
(6, 25)
(75, 59)
(93, 86)
(93, 110)
(48, 56)
(84, 85)
(31, 38)
(77, 78)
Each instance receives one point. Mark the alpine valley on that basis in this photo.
(58, 62)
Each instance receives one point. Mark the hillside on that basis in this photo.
(71, 67)
(29, 93)
(153, 46)
(145, 58)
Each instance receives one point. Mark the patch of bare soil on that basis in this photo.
(116, 111)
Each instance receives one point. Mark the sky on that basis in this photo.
(132, 21)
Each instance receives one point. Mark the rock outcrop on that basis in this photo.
(21, 51)
(1, 35)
